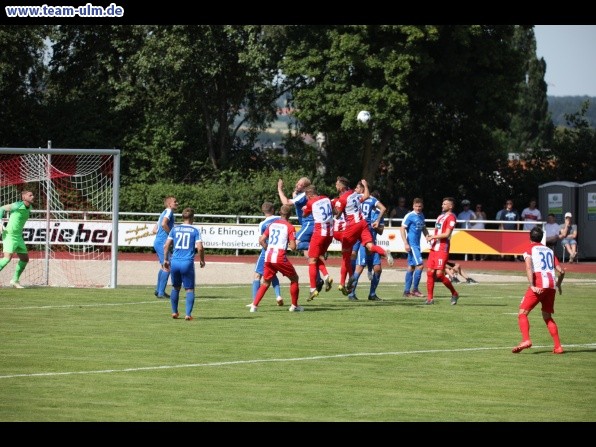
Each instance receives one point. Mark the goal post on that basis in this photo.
(72, 231)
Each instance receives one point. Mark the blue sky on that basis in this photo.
(570, 55)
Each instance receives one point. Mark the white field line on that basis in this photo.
(281, 360)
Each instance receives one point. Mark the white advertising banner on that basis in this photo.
(140, 234)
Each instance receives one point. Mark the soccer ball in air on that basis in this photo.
(363, 116)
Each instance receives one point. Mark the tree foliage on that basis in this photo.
(193, 84)
(22, 77)
(462, 95)
(82, 99)
(337, 71)
(559, 106)
(531, 124)
(186, 104)
(574, 149)
(437, 95)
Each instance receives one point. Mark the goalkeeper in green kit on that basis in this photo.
(12, 235)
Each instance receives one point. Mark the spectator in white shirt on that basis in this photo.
(479, 215)
(531, 214)
(551, 229)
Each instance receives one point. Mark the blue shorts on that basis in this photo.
(158, 247)
(183, 273)
(260, 265)
(414, 256)
(304, 235)
(369, 259)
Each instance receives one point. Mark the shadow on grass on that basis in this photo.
(567, 352)
(347, 304)
(463, 303)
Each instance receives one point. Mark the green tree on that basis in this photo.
(198, 87)
(338, 71)
(574, 149)
(437, 95)
(462, 93)
(531, 124)
(85, 67)
(22, 77)
(566, 156)
(561, 105)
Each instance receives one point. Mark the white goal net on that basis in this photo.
(72, 231)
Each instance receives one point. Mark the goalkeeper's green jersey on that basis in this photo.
(19, 213)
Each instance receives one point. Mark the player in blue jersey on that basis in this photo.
(411, 229)
(268, 210)
(299, 200)
(162, 228)
(185, 241)
(374, 212)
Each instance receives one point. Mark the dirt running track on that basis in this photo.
(141, 269)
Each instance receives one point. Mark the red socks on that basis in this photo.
(312, 274)
(554, 331)
(430, 284)
(524, 326)
(260, 293)
(293, 292)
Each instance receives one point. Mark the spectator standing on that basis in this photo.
(509, 214)
(568, 236)
(399, 211)
(541, 264)
(531, 214)
(479, 224)
(479, 215)
(466, 214)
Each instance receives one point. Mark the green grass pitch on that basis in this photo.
(105, 355)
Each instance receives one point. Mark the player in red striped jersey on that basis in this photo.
(438, 255)
(541, 264)
(322, 212)
(277, 238)
(349, 204)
